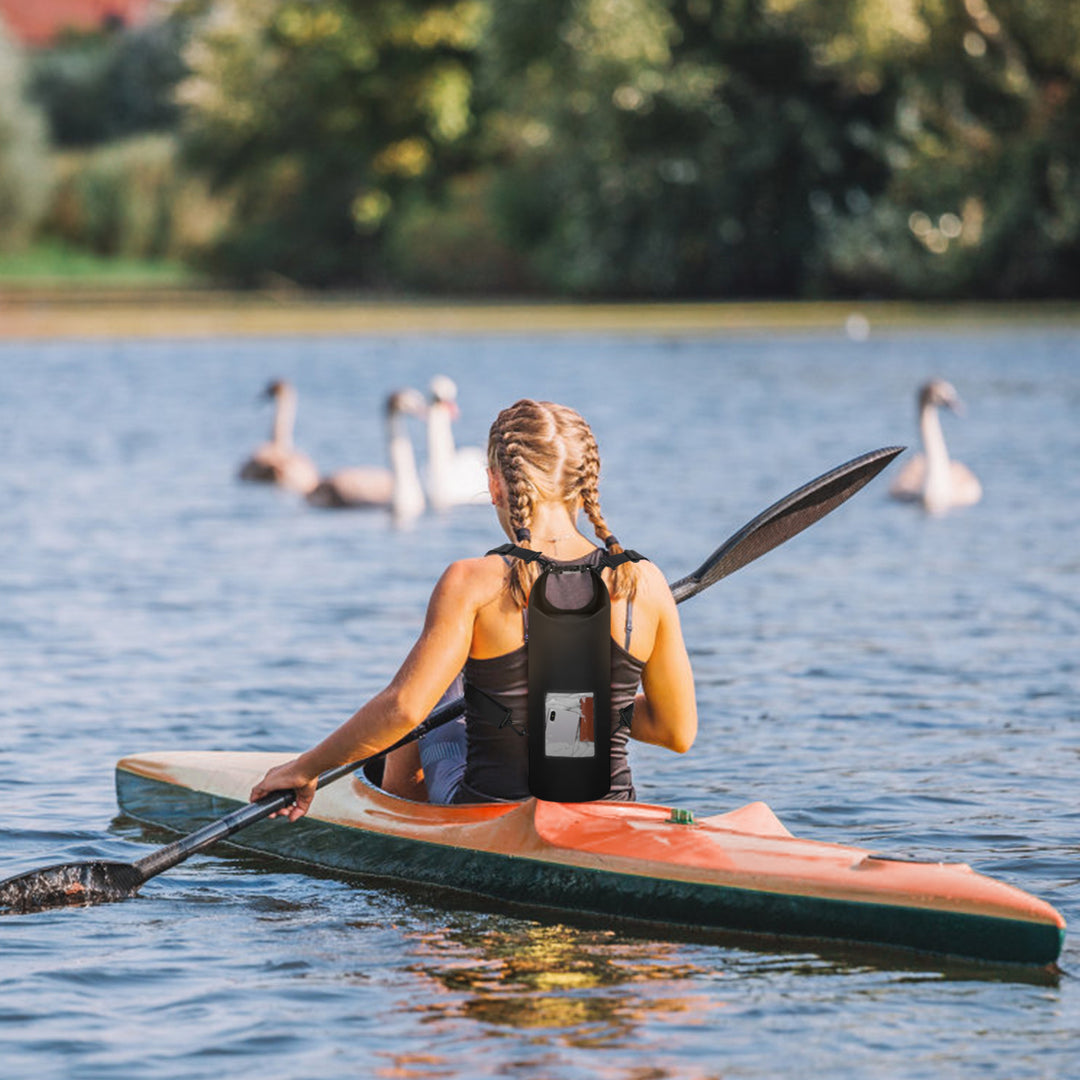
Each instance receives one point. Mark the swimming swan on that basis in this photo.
(278, 461)
(397, 488)
(931, 477)
(455, 475)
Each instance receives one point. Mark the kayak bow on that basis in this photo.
(740, 871)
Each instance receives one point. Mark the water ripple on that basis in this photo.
(886, 679)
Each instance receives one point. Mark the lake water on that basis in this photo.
(887, 679)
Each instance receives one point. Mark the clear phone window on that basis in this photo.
(569, 727)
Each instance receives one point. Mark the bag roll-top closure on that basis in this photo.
(605, 562)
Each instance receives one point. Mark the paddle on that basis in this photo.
(101, 881)
(784, 519)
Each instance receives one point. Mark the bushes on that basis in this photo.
(120, 189)
(132, 198)
(106, 98)
(328, 121)
(24, 167)
(107, 85)
(454, 247)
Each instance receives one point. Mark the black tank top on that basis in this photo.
(496, 697)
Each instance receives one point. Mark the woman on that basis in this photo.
(543, 469)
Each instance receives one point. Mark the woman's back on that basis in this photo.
(496, 693)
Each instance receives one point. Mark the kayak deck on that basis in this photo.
(740, 871)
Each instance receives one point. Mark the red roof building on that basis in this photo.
(38, 22)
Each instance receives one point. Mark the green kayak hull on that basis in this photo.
(741, 872)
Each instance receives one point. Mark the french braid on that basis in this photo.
(522, 496)
(625, 579)
(548, 451)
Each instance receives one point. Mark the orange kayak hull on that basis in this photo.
(737, 872)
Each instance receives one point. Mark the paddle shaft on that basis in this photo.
(91, 882)
(770, 528)
(171, 854)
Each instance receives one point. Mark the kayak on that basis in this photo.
(741, 871)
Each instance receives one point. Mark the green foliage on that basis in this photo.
(103, 86)
(24, 169)
(654, 148)
(326, 120)
(670, 149)
(983, 191)
(790, 147)
(453, 246)
(132, 199)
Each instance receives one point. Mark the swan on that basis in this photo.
(455, 475)
(278, 461)
(397, 488)
(931, 477)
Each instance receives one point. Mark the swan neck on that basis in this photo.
(933, 439)
(284, 420)
(440, 435)
(937, 489)
(408, 494)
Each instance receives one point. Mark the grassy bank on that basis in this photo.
(56, 267)
(90, 298)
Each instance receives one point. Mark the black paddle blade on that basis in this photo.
(69, 885)
(785, 518)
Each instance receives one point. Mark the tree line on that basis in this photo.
(587, 148)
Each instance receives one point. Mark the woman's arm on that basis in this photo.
(432, 664)
(666, 713)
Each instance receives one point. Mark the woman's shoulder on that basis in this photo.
(478, 580)
(652, 586)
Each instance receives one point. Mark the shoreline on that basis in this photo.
(35, 313)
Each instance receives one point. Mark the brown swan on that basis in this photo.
(278, 461)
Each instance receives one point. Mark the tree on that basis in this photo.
(324, 120)
(110, 84)
(660, 148)
(982, 147)
(792, 147)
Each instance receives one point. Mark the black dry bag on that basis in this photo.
(569, 657)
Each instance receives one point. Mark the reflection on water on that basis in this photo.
(553, 977)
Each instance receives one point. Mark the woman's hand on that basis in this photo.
(288, 777)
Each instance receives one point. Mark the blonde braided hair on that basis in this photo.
(545, 451)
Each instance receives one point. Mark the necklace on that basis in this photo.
(556, 539)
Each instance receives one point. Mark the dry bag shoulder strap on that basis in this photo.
(629, 555)
(527, 555)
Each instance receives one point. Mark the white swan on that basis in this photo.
(455, 475)
(278, 461)
(397, 488)
(931, 477)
